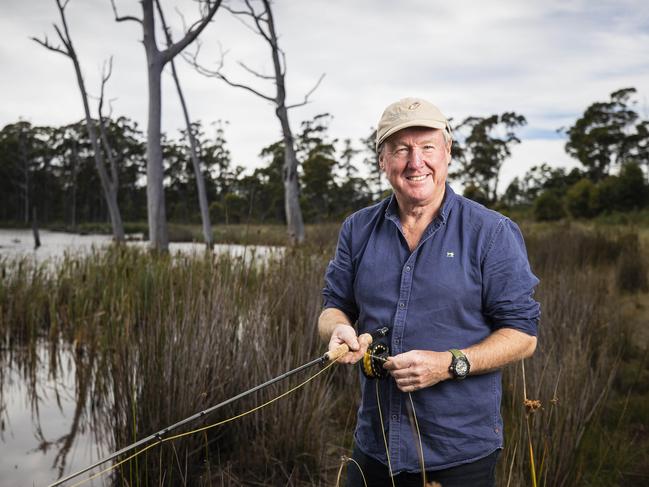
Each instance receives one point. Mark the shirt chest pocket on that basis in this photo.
(450, 284)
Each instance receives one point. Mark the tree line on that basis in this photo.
(54, 170)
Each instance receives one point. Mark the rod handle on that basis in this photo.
(341, 350)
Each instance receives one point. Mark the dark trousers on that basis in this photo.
(481, 473)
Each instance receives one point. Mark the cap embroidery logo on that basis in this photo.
(414, 106)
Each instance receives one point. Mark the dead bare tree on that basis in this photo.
(264, 26)
(156, 61)
(108, 185)
(193, 146)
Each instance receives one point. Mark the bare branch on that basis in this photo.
(123, 18)
(282, 68)
(106, 73)
(64, 39)
(182, 18)
(255, 73)
(258, 20)
(46, 44)
(306, 97)
(191, 34)
(217, 74)
(238, 14)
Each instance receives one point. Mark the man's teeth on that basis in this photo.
(417, 178)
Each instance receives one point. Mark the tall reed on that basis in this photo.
(160, 338)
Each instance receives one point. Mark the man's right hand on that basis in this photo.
(345, 334)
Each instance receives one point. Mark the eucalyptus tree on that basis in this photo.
(481, 146)
(23, 150)
(156, 61)
(317, 155)
(609, 133)
(263, 24)
(109, 184)
(371, 161)
(353, 190)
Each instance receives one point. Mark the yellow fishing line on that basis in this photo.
(385, 441)
(198, 430)
(421, 448)
(343, 461)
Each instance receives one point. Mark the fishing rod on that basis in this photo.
(330, 356)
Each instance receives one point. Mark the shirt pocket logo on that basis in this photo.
(450, 255)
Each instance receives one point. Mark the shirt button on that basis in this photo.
(401, 305)
(394, 417)
(408, 268)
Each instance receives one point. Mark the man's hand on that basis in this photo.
(345, 334)
(417, 369)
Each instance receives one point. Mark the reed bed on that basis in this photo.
(158, 338)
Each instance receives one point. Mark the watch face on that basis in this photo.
(461, 368)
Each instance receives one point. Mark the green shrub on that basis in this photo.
(548, 207)
(579, 199)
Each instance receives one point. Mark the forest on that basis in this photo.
(52, 170)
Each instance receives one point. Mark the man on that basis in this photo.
(451, 281)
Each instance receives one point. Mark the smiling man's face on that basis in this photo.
(415, 161)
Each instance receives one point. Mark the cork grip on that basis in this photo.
(341, 350)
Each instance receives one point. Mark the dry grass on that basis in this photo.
(161, 338)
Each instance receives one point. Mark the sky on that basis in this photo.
(547, 60)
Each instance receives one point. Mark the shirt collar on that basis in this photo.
(392, 210)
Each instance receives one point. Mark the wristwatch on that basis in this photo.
(460, 365)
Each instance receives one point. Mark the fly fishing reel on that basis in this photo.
(375, 356)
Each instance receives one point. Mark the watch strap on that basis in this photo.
(456, 353)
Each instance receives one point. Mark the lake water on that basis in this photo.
(55, 244)
(41, 437)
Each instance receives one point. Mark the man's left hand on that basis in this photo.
(417, 369)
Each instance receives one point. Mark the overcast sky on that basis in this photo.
(545, 59)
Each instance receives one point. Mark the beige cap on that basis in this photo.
(409, 112)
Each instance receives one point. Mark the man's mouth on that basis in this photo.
(417, 178)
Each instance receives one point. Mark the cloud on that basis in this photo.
(547, 60)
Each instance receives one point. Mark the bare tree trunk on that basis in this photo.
(75, 168)
(25, 160)
(193, 149)
(265, 27)
(109, 189)
(294, 221)
(157, 214)
(37, 237)
(193, 152)
(156, 59)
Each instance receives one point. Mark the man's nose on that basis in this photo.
(416, 158)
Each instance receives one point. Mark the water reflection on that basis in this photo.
(49, 423)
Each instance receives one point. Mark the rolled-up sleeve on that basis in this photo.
(338, 291)
(508, 281)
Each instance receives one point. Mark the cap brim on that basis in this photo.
(433, 124)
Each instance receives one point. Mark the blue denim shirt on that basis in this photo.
(468, 276)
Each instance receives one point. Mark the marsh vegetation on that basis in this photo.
(154, 338)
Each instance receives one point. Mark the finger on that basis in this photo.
(397, 363)
(400, 374)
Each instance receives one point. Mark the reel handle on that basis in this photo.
(341, 350)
